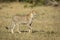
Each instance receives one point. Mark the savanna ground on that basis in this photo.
(46, 25)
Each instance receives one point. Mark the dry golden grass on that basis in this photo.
(46, 26)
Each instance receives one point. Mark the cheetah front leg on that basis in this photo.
(30, 28)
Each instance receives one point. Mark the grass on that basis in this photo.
(46, 26)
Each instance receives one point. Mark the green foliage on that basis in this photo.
(34, 2)
(7, 0)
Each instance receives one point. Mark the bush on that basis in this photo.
(34, 2)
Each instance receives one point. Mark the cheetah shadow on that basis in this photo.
(34, 31)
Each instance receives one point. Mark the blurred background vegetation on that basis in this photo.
(35, 2)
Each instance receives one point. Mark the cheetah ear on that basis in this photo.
(33, 10)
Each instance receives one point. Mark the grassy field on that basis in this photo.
(46, 25)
